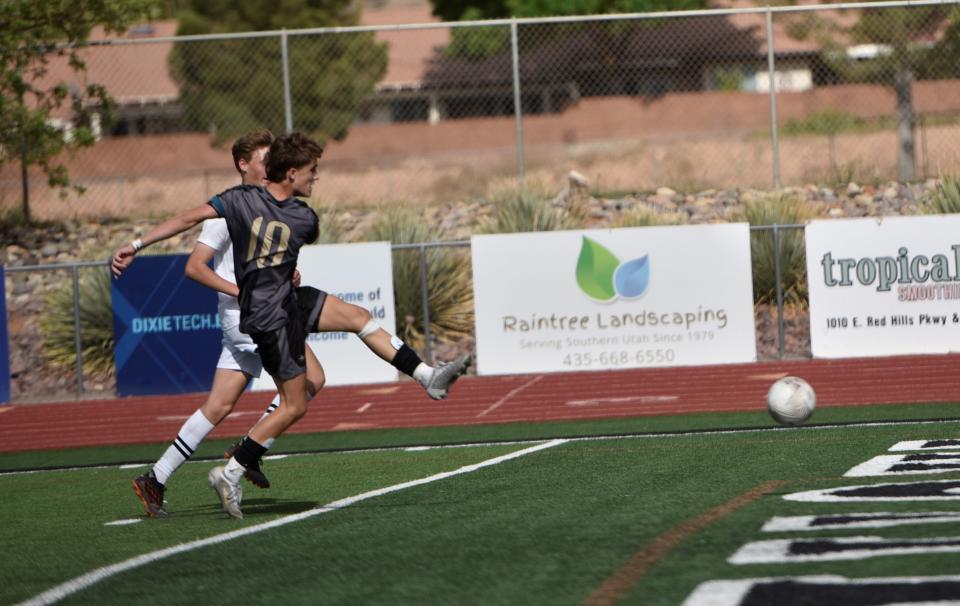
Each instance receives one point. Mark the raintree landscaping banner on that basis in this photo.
(884, 287)
(361, 274)
(166, 328)
(624, 298)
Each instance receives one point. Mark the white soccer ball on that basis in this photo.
(791, 401)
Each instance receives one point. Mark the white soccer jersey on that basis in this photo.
(216, 236)
(239, 351)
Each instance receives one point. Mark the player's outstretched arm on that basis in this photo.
(198, 269)
(123, 256)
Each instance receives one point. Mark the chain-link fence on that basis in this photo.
(61, 315)
(441, 112)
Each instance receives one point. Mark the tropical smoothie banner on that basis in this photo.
(624, 298)
(884, 287)
(361, 274)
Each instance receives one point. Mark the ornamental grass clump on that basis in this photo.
(529, 209)
(96, 324)
(449, 281)
(642, 216)
(780, 210)
(945, 199)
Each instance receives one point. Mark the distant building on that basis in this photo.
(137, 76)
(558, 65)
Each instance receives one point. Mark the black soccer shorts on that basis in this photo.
(282, 351)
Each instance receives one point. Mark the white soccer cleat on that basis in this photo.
(444, 376)
(229, 494)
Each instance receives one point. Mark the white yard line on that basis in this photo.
(512, 393)
(82, 582)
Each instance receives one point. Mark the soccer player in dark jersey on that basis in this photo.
(239, 361)
(268, 226)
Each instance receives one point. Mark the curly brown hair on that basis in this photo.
(294, 150)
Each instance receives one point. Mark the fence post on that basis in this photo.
(287, 103)
(517, 109)
(425, 297)
(78, 339)
(25, 179)
(772, 71)
(777, 279)
(923, 146)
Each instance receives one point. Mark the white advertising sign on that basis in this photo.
(884, 287)
(361, 274)
(623, 298)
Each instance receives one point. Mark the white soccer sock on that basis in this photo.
(233, 470)
(422, 373)
(191, 434)
(271, 407)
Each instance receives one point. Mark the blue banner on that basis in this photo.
(166, 328)
(4, 343)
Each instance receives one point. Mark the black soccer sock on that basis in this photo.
(249, 453)
(406, 360)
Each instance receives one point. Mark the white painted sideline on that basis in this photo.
(698, 433)
(82, 582)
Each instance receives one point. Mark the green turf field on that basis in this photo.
(634, 519)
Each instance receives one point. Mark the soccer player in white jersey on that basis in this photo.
(239, 361)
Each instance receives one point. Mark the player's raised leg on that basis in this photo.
(338, 315)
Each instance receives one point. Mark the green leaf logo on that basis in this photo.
(595, 269)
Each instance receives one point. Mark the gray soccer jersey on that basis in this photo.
(267, 235)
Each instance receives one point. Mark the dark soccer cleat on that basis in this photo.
(150, 492)
(254, 475)
(232, 450)
(444, 375)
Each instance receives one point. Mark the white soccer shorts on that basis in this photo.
(239, 352)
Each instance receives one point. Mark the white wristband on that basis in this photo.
(137, 245)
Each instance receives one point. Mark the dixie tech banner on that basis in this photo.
(166, 327)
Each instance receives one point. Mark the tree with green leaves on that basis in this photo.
(230, 86)
(902, 37)
(32, 34)
(600, 43)
(454, 10)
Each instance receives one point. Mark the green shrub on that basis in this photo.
(728, 79)
(96, 324)
(945, 199)
(529, 209)
(826, 122)
(449, 279)
(477, 43)
(778, 209)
